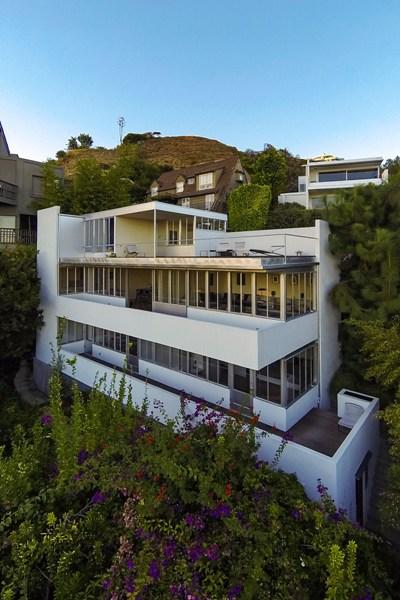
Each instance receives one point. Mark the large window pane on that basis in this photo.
(201, 291)
(193, 288)
(178, 287)
(63, 280)
(241, 378)
(274, 382)
(197, 365)
(222, 293)
(333, 176)
(235, 291)
(212, 289)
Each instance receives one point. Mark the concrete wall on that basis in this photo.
(71, 236)
(328, 315)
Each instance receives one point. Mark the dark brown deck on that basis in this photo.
(317, 430)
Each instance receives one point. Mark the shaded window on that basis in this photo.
(332, 176)
(241, 378)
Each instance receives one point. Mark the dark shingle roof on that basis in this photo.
(167, 180)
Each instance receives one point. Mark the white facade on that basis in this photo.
(324, 178)
(242, 320)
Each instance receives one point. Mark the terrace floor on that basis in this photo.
(317, 430)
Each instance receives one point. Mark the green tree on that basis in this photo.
(61, 154)
(19, 303)
(393, 166)
(73, 143)
(292, 214)
(365, 239)
(381, 346)
(54, 190)
(85, 140)
(248, 207)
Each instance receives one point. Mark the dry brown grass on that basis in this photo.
(175, 151)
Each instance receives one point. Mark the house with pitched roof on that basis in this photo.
(204, 186)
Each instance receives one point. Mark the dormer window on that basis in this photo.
(190, 180)
(154, 190)
(205, 181)
(179, 186)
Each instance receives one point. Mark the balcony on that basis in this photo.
(17, 236)
(8, 193)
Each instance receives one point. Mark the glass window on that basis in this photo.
(222, 292)
(299, 293)
(300, 373)
(178, 287)
(268, 382)
(179, 187)
(205, 181)
(332, 176)
(209, 201)
(197, 365)
(63, 280)
(362, 174)
(241, 378)
(241, 293)
(212, 289)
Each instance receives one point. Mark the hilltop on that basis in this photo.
(174, 151)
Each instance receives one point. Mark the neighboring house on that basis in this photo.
(325, 175)
(204, 186)
(20, 184)
(237, 321)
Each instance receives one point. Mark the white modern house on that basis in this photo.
(165, 295)
(326, 175)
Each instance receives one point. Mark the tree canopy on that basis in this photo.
(19, 302)
(365, 239)
(93, 187)
(248, 207)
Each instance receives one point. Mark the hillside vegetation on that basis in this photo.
(174, 151)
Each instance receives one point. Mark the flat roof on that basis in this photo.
(154, 205)
(342, 161)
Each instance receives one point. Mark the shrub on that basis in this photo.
(103, 501)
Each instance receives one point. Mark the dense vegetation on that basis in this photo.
(19, 301)
(365, 239)
(93, 186)
(98, 500)
(248, 207)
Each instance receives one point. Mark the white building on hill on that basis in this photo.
(327, 175)
(239, 320)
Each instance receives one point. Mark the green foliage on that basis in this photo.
(283, 216)
(19, 301)
(134, 138)
(381, 346)
(248, 207)
(73, 143)
(85, 140)
(365, 240)
(61, 154)
(93, 188)
(393, 166)
(99, 500)
(342, 571)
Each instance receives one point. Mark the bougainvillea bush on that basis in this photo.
(99, 500)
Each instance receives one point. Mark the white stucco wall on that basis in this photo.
(71, 236)
(328, 315)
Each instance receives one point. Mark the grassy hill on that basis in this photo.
(175, 151)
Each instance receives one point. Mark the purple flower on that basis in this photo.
(322, 489)
(169, 549)
(212, 552)
(98, 498)
(154, 570)
(46, 420)
(129, 585)
(177, 590)
(130, 564)
(195, 552)
(221, 511)
(235, 591)
(83, 455)
(195, 522)
(296, 515)
(106, 584)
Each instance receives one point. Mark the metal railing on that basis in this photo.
(17, 236)
(8, 192)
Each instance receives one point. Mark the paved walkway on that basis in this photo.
(26, 387)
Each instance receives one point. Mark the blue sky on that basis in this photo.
(310, 75)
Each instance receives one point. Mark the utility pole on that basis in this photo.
(121, 125)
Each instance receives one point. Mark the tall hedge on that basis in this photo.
(248, 207)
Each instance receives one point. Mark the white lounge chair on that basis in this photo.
(352, 412)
